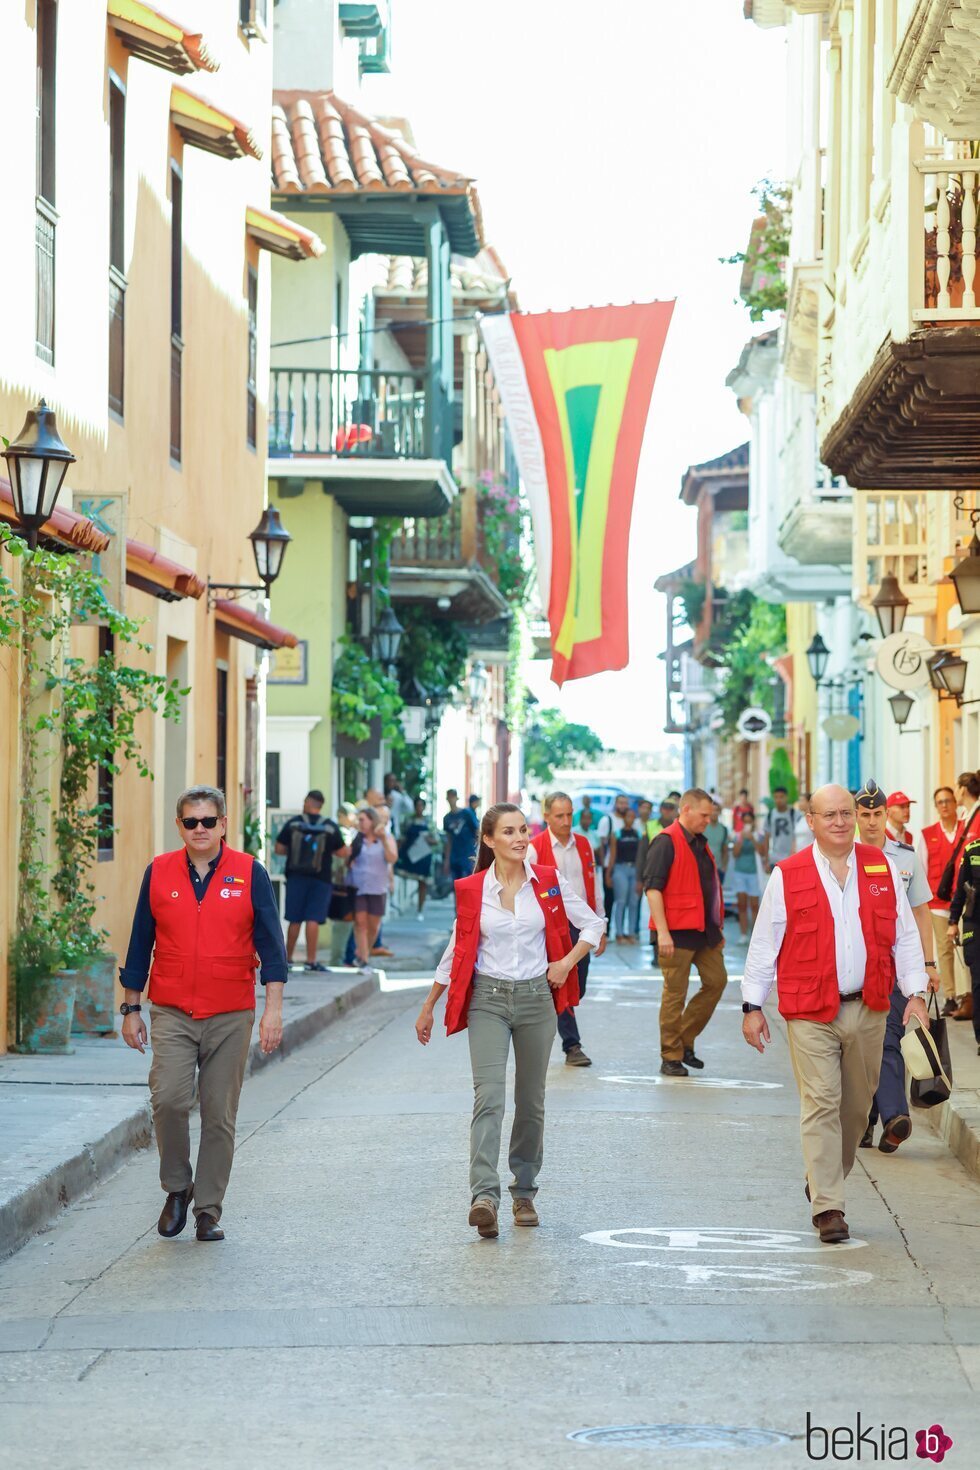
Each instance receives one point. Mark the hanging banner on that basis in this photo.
(576, 389)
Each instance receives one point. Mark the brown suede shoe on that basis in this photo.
(483, 1214)
(525, 1213)
(832, 1227)
(964, 1011)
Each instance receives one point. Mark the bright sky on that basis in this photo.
(615, 148)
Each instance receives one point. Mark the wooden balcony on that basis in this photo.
(442, 561)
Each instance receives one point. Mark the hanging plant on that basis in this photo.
(504, 534)
(361, 692)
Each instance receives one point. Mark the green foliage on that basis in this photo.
(434, 650)
(362, 691)
(505, 533)
(386, 528)
(251, 832)
(515, 687)
(692, 595)
(552, 741)
(781, 774)
(748, 634)
(768, 251)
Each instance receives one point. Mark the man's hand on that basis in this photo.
(933, 981)
(134, 1031)
(601, 946)
(755, 1029)
(953, 933)
(665, 944)
(423, 1026)
(916, 1008)
(558, 973)
(270, 1026)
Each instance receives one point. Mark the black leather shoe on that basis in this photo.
(868, 1137)
(690, 1060)
(895, 1132)
(674, 1069)
(208, 1228)
(173, 1216)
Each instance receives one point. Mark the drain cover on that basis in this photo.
(682, 1436)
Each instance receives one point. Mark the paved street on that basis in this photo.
(352, 1318)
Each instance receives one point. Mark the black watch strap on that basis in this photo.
(126, 1010)
(747, 1006)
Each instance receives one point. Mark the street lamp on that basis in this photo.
(37, 462)
(901, 709)
(269, 541)
(948, 674)
(890, 605)
(387, 637)
(478, 681)
(817, 656)
(965, 577)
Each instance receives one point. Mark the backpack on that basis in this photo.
(307, 848)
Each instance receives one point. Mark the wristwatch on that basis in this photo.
(127, 1010)
(747, 1007)
(930, 964)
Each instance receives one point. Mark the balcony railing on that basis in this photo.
(348, 413)
(432, 540)
(950, 207)
(44, 285)
(117, 340)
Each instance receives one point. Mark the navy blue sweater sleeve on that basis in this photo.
(134, 972)
(269, 943)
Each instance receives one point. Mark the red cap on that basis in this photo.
(898, 798)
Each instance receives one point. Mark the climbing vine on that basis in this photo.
(768, 250)
(361, 691)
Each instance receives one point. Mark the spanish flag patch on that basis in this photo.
(876, 868)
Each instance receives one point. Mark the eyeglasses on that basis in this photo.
(844, 814)
(191, 822)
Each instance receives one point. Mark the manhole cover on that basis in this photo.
(682, 1436)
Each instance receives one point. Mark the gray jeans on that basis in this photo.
(501, 1010)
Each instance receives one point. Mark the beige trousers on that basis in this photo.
(680, 1023)
(836, 1065)
(945, 954)
(216, 1049)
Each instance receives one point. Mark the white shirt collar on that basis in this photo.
(556, 843)
(494, 883)
(822, 857)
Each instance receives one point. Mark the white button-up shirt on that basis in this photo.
(569, 865)
(512, 945)
(851, 954)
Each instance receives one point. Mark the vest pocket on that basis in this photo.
(166, 967)
(802, 995)
(232, 969)
(805, 943)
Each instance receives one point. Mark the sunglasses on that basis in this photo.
(191, 822)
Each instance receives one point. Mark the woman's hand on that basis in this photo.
(558, 973)
(423, 1026)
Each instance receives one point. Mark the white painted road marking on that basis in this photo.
(731, 1083)
(717, 1241)
(793, 1276)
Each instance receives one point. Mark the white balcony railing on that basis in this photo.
(949, 237)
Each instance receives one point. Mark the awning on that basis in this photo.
(149, 571)
(65, 528)
(203, 125)
(154, 37)
(273, 231)
(251, 627)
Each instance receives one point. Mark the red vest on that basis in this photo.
(806, 968)
(558, 941)
(683, 895)
(546, 856)
(204, 958)
(939, 850)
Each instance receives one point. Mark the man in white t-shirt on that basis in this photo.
(781, 827)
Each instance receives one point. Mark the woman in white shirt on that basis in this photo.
(508, 966)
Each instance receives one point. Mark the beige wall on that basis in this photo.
(200, 513)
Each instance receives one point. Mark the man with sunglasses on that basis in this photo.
(835, 932)
(207, 917)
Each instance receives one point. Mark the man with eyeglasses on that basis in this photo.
(834, 933)
(206, 917)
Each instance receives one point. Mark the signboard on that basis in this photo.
(368, 750)
(413, 723)
(107, 512)
(840, 727)
(903, 660)
(754, 723)
(288, 665)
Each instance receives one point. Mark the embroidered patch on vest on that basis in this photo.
(875, 868)
(876, 888)
(553, 892)
(230, 878)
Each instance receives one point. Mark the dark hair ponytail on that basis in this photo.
(488, 826)
(971, 782)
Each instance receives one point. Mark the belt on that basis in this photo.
(852, 995)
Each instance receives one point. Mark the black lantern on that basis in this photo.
(37, 462)
(901, 708)
(479, 679)
(269, 541)
(817, 656)
(949, 674)
(965, 577)
(435, 708)
(891, 605)
(387, 637)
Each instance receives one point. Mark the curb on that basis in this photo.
(71, 1179)
(957, 1123)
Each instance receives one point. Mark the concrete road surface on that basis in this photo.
(675, 1295)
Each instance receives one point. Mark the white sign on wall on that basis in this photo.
(903, 661)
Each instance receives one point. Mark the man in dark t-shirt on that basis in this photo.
(309, 843)
(462, 828)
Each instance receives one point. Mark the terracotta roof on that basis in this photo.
(71, 529)
(273, 231)
(329, 149)
(150, 571)
(485, 275)
(154, 37)
(729, 468)
(242, 622)
(203, 125)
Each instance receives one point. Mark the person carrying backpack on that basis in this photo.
(309, 844)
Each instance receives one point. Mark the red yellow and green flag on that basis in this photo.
(576, 389)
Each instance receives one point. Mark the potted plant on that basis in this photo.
(45, 988)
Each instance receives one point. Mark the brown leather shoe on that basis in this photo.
(173, 1216)
(950, 1007)
(575, 1057)
(483, 1214)
(832, 1227)
(208, 1228)
(964, 1011)
(525, 1213)
(896, 1131)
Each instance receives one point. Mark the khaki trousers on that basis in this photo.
(216, 1049)
(680, 1024)
(945, 954)
(836, 1065)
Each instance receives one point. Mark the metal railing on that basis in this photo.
(176, 369)
(345, 412)
(117, 341)
(44, 281)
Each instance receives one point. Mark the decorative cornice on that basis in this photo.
(937, 65)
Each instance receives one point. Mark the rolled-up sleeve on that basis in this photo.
(267, 931)
(133, 974)
(910, 968)
(590, 925)
(444, 968)
(759, 974)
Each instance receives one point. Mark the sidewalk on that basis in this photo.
(414, 947)
(958, 1121)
